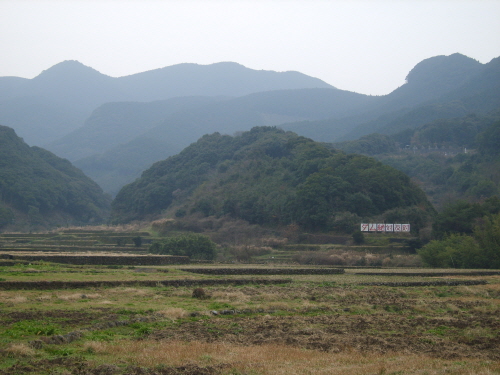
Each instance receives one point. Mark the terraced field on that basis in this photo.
(370, 321)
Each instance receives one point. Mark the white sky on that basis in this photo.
(367, 46)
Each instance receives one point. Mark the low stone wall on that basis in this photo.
(106, 260)
(431, 274)
(265, 271)
(323, 239)
(428, 283)
(55, 285)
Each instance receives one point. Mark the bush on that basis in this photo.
(137, 241)
(358, 237)
(455, 251)
(200, 294)
(482, 250)
(195, 246)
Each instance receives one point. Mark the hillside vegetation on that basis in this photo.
(451, 159)
(271, 177)
(39, 189)
(123, 157)
(108, 146)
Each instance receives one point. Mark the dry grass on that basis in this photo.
(13, 300)
(333, 292)
(348, 257)
(282, 359)
(124, 228)
(44, 297)
(173, 313)
(94, 347)
(129, 293)
(137, 292)
(20, 350)
(106, 302)
(70, 297)
(224, 296)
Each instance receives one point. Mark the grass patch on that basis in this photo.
(29, 328)
(318, 324)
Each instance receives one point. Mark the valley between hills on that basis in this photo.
(206, 219)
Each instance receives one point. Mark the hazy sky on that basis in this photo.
(364, 46)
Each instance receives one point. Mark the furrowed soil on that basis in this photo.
(320, 324)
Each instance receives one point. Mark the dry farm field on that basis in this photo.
(369, 321)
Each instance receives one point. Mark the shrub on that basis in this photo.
(358, 237)
(455, 251)
(193, 245)
(463, 251)
(200, 294)
(137, 241)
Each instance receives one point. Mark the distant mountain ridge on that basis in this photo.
(121, 138)
(438, 87)
(81, 89)
(322, 114)
(124, 162)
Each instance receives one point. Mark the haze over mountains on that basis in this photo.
(58, 100)
(114, 128)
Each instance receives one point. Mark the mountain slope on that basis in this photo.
(113, 124)
(269, 177)
(438, 87)
(434, 77)
(219, 79)
(478, 92)
(77, 90)
(41, 190)
(124, 162)
(451, 159)
(322, 114)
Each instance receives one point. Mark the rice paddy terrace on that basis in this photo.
(158, 319)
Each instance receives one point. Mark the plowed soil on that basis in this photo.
(448, 323)
(376, 333)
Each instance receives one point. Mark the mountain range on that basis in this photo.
(59, 99)
(114, 128)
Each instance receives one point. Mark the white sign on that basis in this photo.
(373, 227)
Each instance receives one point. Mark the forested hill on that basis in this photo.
(271, 177)
(452, 159)
(39, 190)
(110, 146)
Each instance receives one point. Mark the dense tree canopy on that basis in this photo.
(461, 217)
(36, 183)
(270, 177)
(451, 158)
(480, 249)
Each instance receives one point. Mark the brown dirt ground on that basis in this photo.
(335, 333)
(366, 320)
